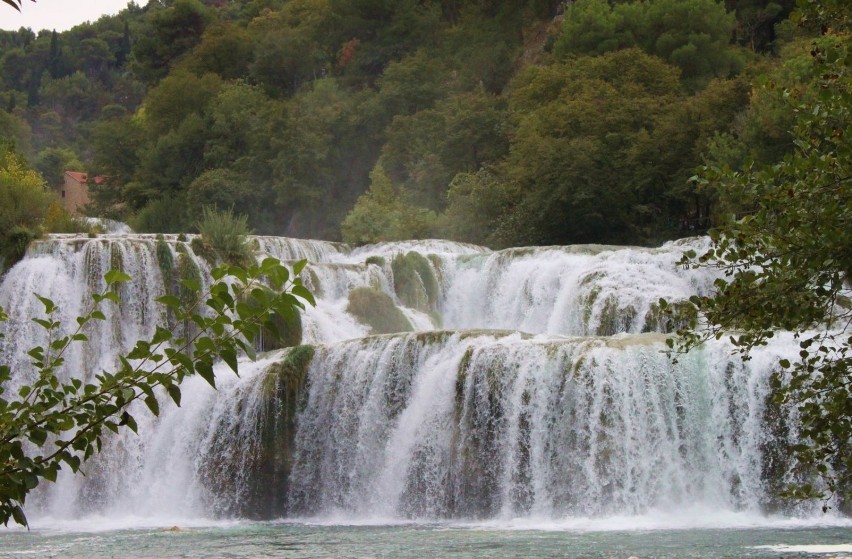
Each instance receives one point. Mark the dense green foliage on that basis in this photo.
(787, 261)
(502, 123)
(60, 421)
(23, 205)
(225, 234)
(26, 209)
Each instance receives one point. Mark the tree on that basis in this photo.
(23, 204)
(424, 151)
(787, 264)
(380, 214)
(691, 34)
(167, 34)
(58, 422)
(577, 149)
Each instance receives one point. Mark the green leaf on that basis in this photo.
(116, 276)
(205, 369)
(127, 419)
(153, 404)
(174, 392)
(303, 292)
(229, 356)
(191, 285)
(161, 335)
(170, 301)
(18, 516)
(49, 306)
(37, 436)
(299, 266)
(112, 296)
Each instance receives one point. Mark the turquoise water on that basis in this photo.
(421, 541)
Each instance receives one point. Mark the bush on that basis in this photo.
(161, 216)
(60, 221)
(23, 205)
(225, 234)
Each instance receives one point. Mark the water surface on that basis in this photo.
(248, 540)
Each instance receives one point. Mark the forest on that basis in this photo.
(502, 123)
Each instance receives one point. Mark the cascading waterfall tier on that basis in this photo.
(569, 409)
(496, 424)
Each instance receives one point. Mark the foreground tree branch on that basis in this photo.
(788, 266)
(58, 421)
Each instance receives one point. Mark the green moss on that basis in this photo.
(187, 269)
(166, 262)
(205, 251)
(675, 316)
(286, 378)
(614, 320)
(314, 283)
(116, 259)
(377, 260)
(414, 282)
(377, 310)
(268, 471)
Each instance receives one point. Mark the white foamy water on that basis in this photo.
(528, 396)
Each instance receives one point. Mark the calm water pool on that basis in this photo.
(420, 541)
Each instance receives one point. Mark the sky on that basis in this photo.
(57, 14)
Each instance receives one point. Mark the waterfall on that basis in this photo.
(481, 425)
(524, 383)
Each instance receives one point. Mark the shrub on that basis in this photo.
(58, 220)
(225, 234)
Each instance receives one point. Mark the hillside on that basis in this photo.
(500, 123)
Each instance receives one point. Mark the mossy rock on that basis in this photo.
(287, 377)
(614, 320)
(675, 316)
(187, 269)
(414, 282)
(377, 310)
(259, 480)
(116, 259)
(377, 260)
(205, 251)
(166, 262)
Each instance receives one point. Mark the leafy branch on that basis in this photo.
(787, 266)
(54, 422)
(17, 4)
